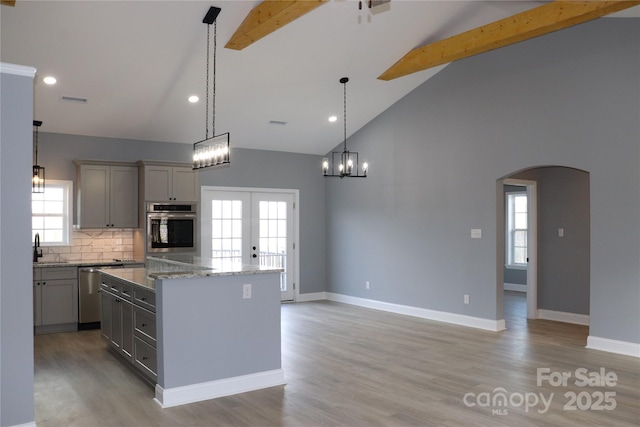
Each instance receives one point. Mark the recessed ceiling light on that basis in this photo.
(50, 80)
(333, 119)
(193, 99)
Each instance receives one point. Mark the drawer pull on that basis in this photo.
(143, 299)
(145, 358)
(144, 325)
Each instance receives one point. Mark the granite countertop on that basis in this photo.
(86, 263)
(137, 276)
(184, 267)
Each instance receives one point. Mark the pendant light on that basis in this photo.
(346, 160)
(37, 179)
(212, 151)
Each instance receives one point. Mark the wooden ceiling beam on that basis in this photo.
(8, 2)
(267, 17)
(519, 27)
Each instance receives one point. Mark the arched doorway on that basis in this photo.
(558, 242)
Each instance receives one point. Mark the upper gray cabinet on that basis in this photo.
(168, 182)
(106, 194)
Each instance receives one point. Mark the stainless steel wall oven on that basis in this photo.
(172, 227)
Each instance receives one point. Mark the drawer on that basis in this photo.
(123, 290)
(56, 273)
(145, 298)
(144, 324)
(126, 291)
(145, 358)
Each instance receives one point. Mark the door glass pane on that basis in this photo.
(226, 232)
(273, 233)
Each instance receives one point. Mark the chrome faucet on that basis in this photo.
(36, 244)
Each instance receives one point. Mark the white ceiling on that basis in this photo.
(136, 62)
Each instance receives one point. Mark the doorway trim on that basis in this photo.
(532, 243)
(296, 222)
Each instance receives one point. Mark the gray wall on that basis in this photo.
(563, 262)
(249, 168)
(570, 98)
(16, 286)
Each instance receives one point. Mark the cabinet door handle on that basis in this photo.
(143, 299)
(44, 283)
(145, 358)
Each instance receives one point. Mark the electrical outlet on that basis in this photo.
(366, 285)
(466, 299)
(246, 291)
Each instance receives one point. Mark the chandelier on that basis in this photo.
(346, 161)
(212, 151)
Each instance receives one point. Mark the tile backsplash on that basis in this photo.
(93, 244)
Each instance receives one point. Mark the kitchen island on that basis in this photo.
(197, 328)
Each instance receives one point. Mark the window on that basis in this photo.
(517, 230)
(51, 214)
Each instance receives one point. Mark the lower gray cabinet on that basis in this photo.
(55, 299)
(105, 321)
(145, 359)
(129, 328)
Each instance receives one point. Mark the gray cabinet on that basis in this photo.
(129, 323)
(105, 313)
(164, 182)
(106, 194)
(117, 316)
(55, 299)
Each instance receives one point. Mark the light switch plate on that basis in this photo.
(246, 291)
(476, 233)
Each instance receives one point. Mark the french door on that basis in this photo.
(252, 227)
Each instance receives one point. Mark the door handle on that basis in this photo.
(255, 256)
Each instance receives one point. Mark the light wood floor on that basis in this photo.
(350, 366)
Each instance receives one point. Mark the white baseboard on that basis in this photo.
(613, 346)
(175, 396)
(440, 316)
(515, 287)
(314, 296)
(560, 316)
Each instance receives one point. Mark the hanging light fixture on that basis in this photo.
(212, 151)
(37, 179)
(346, 160)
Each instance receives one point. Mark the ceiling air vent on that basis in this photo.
(74, 99)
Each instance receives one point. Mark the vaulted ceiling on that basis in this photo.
(137, 62)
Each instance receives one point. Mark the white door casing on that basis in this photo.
(253, 226)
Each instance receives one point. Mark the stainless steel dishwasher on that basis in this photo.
(88, 298)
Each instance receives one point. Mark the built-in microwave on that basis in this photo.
(172, 227)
